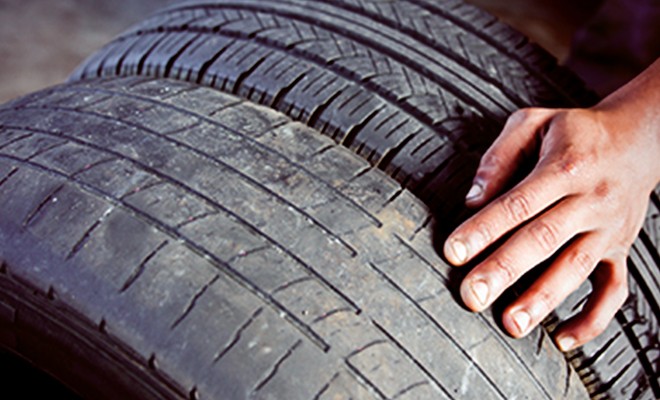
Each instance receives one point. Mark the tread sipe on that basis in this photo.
(196, 245)
(419, 89)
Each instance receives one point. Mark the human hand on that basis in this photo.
(585, 202)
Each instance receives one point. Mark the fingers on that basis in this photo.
(610, 291)
(531, 245)
(507, 153)
(563, 277)
(534, 194)
(569, 195)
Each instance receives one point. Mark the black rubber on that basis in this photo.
(418, 88)
(164, 240)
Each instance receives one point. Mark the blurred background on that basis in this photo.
(41, 41)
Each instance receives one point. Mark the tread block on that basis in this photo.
(245, 252)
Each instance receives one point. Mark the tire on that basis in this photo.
(159, 239)
(419, 89)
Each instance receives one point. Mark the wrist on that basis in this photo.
(632, 114)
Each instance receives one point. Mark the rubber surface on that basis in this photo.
(211, 248)
(419, 89)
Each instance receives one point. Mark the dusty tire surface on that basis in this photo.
(159, 239)
(419, 89)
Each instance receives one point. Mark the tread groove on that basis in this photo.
(193, 301)
(260, 146)
(409, 389)
(316, 114)
(172, 60)
(93, 165)
(83, 240)
(276, 367)
(365, 41)
(440, 328)
(7, 177)
(419, 365)
(219, 264)
(326, 386)
(386, 96)
(333, 312)
(495, 43)
(15, 140)
(140, 268)
(279, 97)
(245, 74)
(237, 335)
(143, 59)
(442, 277)
(207, 64)
(49, 198)
(317, 223)
(352, 133)
(517, 357)
(366, 382)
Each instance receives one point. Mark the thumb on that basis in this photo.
(520, 138)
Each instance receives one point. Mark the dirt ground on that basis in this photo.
(41, 41)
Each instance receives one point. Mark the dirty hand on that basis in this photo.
(584, 202)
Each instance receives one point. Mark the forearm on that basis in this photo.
(633, 111)
(641, 93)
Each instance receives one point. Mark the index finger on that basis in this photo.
(538, 191)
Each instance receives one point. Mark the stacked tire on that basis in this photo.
(244, 199)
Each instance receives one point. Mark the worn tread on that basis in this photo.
(418, 88)
(203, 246)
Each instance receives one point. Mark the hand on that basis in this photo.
(584, 202)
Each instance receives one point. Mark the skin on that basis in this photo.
(588, 191)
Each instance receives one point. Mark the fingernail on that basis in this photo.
(522, 320)
(566, 343)
(480, 290)
(458, 250)
(475, 192)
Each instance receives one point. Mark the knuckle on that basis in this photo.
(570, 165)
(602, 190)
(489, 161)
(484, 230)
(618, 277)
(621, 292)
(504, 268)
(516, 207)
(546, 301)
(545, 235)
(522, 115)
(583, 263)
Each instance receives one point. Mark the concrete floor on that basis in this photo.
(41, 41)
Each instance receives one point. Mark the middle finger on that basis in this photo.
(532, 244)
(535, 193)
